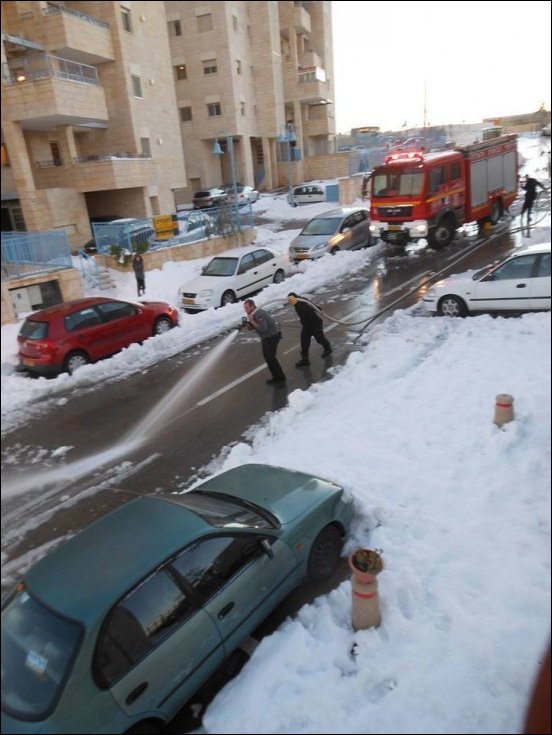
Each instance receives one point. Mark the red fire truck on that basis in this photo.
(418, 195)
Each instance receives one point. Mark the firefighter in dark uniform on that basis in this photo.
(311, 326)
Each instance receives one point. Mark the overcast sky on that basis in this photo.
(477, 59)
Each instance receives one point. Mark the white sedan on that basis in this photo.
(231, 276)
(520, 282)
(245, 194)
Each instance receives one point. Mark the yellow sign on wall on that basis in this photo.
(165, 225)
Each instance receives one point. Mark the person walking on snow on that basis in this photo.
(311, 326)
(138, 268)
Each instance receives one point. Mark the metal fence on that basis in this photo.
(124, 238)
(30, 253)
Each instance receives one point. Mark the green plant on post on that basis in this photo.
(368, 560)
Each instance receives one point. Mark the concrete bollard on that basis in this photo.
(365, 607)
(504, 409)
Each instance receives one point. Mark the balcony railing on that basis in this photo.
(54, 8)
(111, 157)
(43, 66)
(31, 253)
(312, 74)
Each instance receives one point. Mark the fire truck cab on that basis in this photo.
(417, 195)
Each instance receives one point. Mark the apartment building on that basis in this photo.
(90, 125)
(256, 77)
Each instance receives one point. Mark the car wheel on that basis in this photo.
(162, 325)
(324, 554)
(228, 297)
(75, 360)
(452, 306)
(441, 235)
(496, 211)
(279, 276)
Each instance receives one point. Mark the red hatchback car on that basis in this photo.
(64, 337)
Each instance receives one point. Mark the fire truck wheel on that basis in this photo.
(452, 306)
(441, 235)
(496, 211)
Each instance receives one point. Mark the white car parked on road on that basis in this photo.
(520, 282)
(231, 276)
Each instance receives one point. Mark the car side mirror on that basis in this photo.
(203, 268)
(344, 230)
(267, 548)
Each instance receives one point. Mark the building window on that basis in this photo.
(238, 66)
(205, 22)
(175, 28)
(56, 153)
(210, 66)
(127, 23)
(185, 114)
(242, 109)
(235, 22)
(146, 148)
(214, 110)
(180, 71)
(136, 86)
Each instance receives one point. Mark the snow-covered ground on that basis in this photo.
(460, 507)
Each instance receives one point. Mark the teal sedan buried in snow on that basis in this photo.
(115, 629)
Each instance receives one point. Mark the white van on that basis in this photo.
(306, 194)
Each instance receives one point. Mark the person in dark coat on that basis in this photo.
(138, 267)
(311, 326)
(267, 329)
(530, 187)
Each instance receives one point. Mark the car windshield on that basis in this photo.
(322, 226)
(223, 511)
(407, 182)
(38, 647)
(221, 267)
(32, 329)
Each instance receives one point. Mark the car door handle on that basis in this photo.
(521, 285)
(135, 693)
(225, 610)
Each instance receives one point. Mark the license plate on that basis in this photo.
(188, 301)
(300, 256)
(394, 228)
(30, 363)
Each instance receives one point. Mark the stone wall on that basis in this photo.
(190, 251)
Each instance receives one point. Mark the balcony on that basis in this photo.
(301, 20)
(312, 85)
(77, 36)
(116, 171)
(44, 91)
(321, 126)
(96, 173)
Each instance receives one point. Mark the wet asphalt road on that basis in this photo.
(232, 398)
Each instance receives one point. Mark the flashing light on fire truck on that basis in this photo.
(406, 156)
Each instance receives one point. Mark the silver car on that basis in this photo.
(345, 228)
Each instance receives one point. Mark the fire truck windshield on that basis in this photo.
(407, 182)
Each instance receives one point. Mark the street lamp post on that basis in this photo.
(217, 150)
(288, 137)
